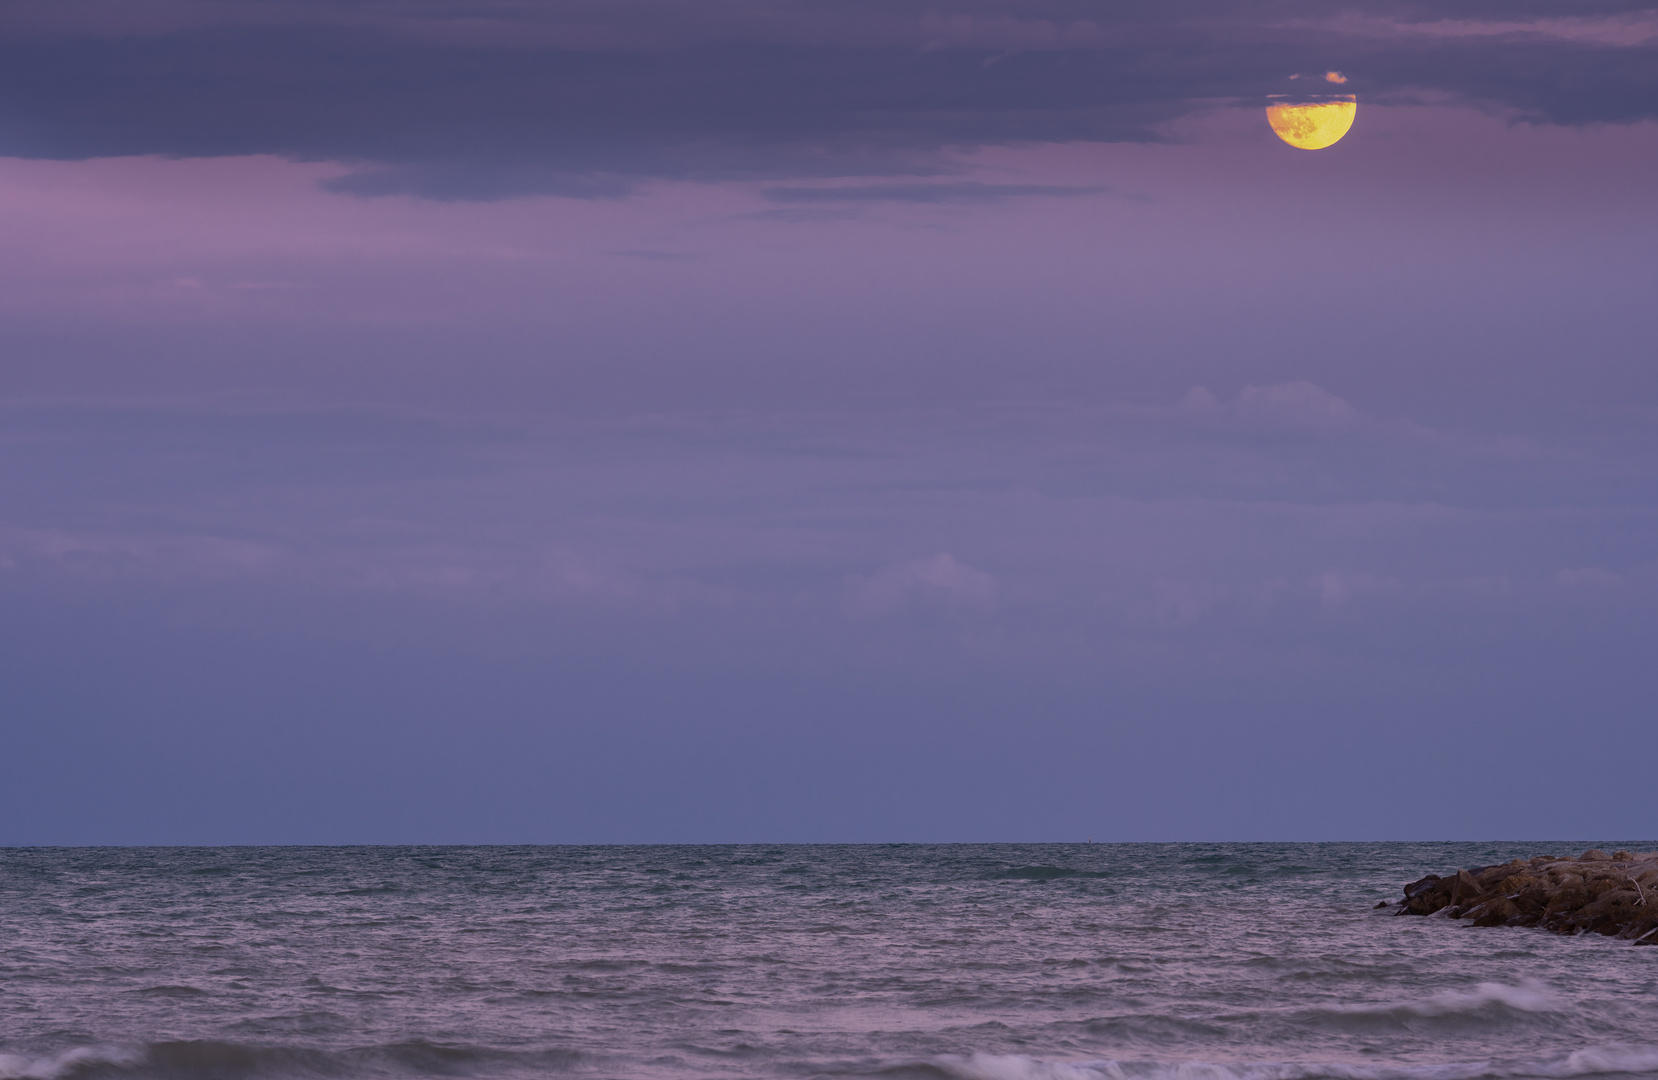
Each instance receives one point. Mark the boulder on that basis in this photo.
(1615, 895)
(1568, 897)
(1465, 888)
(1489, 877)
(1495, 912)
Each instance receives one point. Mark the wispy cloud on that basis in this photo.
(166, 557)
(1298, 403)
(1337, 588)
(655, 255)
(1122, 525)
(956, 192)
(939, 581)
(438, 101)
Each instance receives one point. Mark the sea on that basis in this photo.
(933, 962)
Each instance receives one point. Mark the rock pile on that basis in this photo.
(1615, 895)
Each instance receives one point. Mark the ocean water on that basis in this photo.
(988, 962)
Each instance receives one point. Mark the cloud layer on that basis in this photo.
(479, 102)
(244, 626)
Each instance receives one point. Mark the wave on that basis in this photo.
(1600, 1061)
(213, 1060)
(1487, 997)
(1045, 873)
(54, 1066)
(1486, 1008)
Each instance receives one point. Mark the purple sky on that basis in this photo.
(667, 422)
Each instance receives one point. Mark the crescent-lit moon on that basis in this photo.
(1314, 125)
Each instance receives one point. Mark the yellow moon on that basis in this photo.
(1313, 126)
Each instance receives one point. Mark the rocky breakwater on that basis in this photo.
(1615, 895)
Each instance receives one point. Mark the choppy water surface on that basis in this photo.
(1200, 962)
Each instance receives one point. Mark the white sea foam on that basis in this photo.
(1528, 996)
(1019, 1067)
(1594, 1061)
(1597, 1061)
(53, 1066)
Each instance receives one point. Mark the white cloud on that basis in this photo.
(1335, 589)
(439, 570)
(1199, 400)
(164, 557)
(1298, 403)
(1630, 29)
(938, 581)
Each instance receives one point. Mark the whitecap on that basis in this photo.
(1593, 1061)
(55, 1066)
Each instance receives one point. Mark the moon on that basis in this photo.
(1313, 125)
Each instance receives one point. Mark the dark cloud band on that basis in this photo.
(494, 100)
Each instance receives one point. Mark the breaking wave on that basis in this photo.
(1487, 997)
(1618, 1061)
(68, 1063)
(211, 1060)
